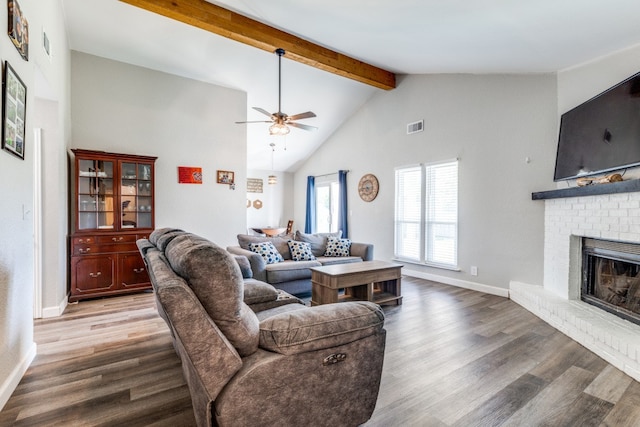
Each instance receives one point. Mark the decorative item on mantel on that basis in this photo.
(614, 177)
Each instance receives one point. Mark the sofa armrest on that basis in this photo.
(258, 265)
(320, 327)
(363, 250)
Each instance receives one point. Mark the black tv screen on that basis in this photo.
(601, 135)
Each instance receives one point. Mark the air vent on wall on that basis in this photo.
(415, 127)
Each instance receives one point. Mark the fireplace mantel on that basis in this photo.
(629, 186)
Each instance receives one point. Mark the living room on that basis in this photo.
(501, 127)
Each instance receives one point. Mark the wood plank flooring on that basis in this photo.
(454, 357)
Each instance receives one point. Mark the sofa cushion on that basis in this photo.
(338, 247)
(317, 241)
(267, 251)
(215, 278)
(320, 327)
(280, 242)
(300, 251)
(256, 292)
(290, 270)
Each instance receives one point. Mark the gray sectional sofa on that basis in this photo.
(256, 356)
(292, 276)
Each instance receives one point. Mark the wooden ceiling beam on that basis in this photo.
(226, 23)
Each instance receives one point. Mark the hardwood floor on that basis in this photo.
(454, 357)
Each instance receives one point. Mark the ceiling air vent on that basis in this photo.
(415, 127)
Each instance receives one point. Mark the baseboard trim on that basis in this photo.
(10, 384)
(474, 286)
(55, 311)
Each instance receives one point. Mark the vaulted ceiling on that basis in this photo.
(402, 37)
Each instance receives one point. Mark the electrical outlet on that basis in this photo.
(474, 270)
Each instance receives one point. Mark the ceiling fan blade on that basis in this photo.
(263, 111)
(301, 126)
(256, 121)
(301, 116)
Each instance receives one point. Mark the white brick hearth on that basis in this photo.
(610, 217)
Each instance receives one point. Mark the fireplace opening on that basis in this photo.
(611, 277)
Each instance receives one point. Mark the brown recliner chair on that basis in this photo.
(284, 364)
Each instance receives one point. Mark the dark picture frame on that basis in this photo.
(14, 110)
(18, 28)
(225, 177)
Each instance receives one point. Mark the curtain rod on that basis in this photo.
(327, 174)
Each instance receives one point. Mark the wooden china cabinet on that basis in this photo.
(112, 207)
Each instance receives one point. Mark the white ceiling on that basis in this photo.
(404, 36)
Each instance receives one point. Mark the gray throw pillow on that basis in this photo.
(245, 266)
(317, 241)
(280, 242)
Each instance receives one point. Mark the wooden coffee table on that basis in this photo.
(377, 281)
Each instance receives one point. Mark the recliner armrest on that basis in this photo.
(258, 265)
(319, 327)
(363, 250)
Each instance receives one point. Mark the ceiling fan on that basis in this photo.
(280, 120)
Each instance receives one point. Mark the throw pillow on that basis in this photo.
(300, 251)
(337, 247)
(280, 242)
(317, 241)
(268, 251)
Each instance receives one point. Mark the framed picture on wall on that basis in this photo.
(225, 177)
(13, 112)
(18, 28)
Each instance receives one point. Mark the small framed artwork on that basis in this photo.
(189, 175)
(18, 29)
(13, 112)
(226, 177)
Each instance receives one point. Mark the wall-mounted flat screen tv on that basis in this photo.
(601, 135)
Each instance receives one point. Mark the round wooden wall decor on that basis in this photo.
(368, 187)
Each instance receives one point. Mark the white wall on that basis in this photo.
(276, 200)
(123, 108)
(492, 123)
(16, 186)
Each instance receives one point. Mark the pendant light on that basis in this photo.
(273, 179)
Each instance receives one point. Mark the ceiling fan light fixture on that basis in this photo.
(279, 129)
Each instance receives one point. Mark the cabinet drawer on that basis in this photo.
(125, 238)
(85, 240)
(103, 249)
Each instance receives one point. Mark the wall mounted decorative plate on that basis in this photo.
(368, 187)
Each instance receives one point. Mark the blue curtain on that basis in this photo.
(343, 212)
(310, 219)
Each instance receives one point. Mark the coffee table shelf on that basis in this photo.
(377, 281)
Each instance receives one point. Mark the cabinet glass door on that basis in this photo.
(95, 195)
(136, 194)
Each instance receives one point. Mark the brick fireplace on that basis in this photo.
(570, 215)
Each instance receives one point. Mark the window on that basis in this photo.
(426, 214)
(327, 193)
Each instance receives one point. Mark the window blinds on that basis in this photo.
(426, 213)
